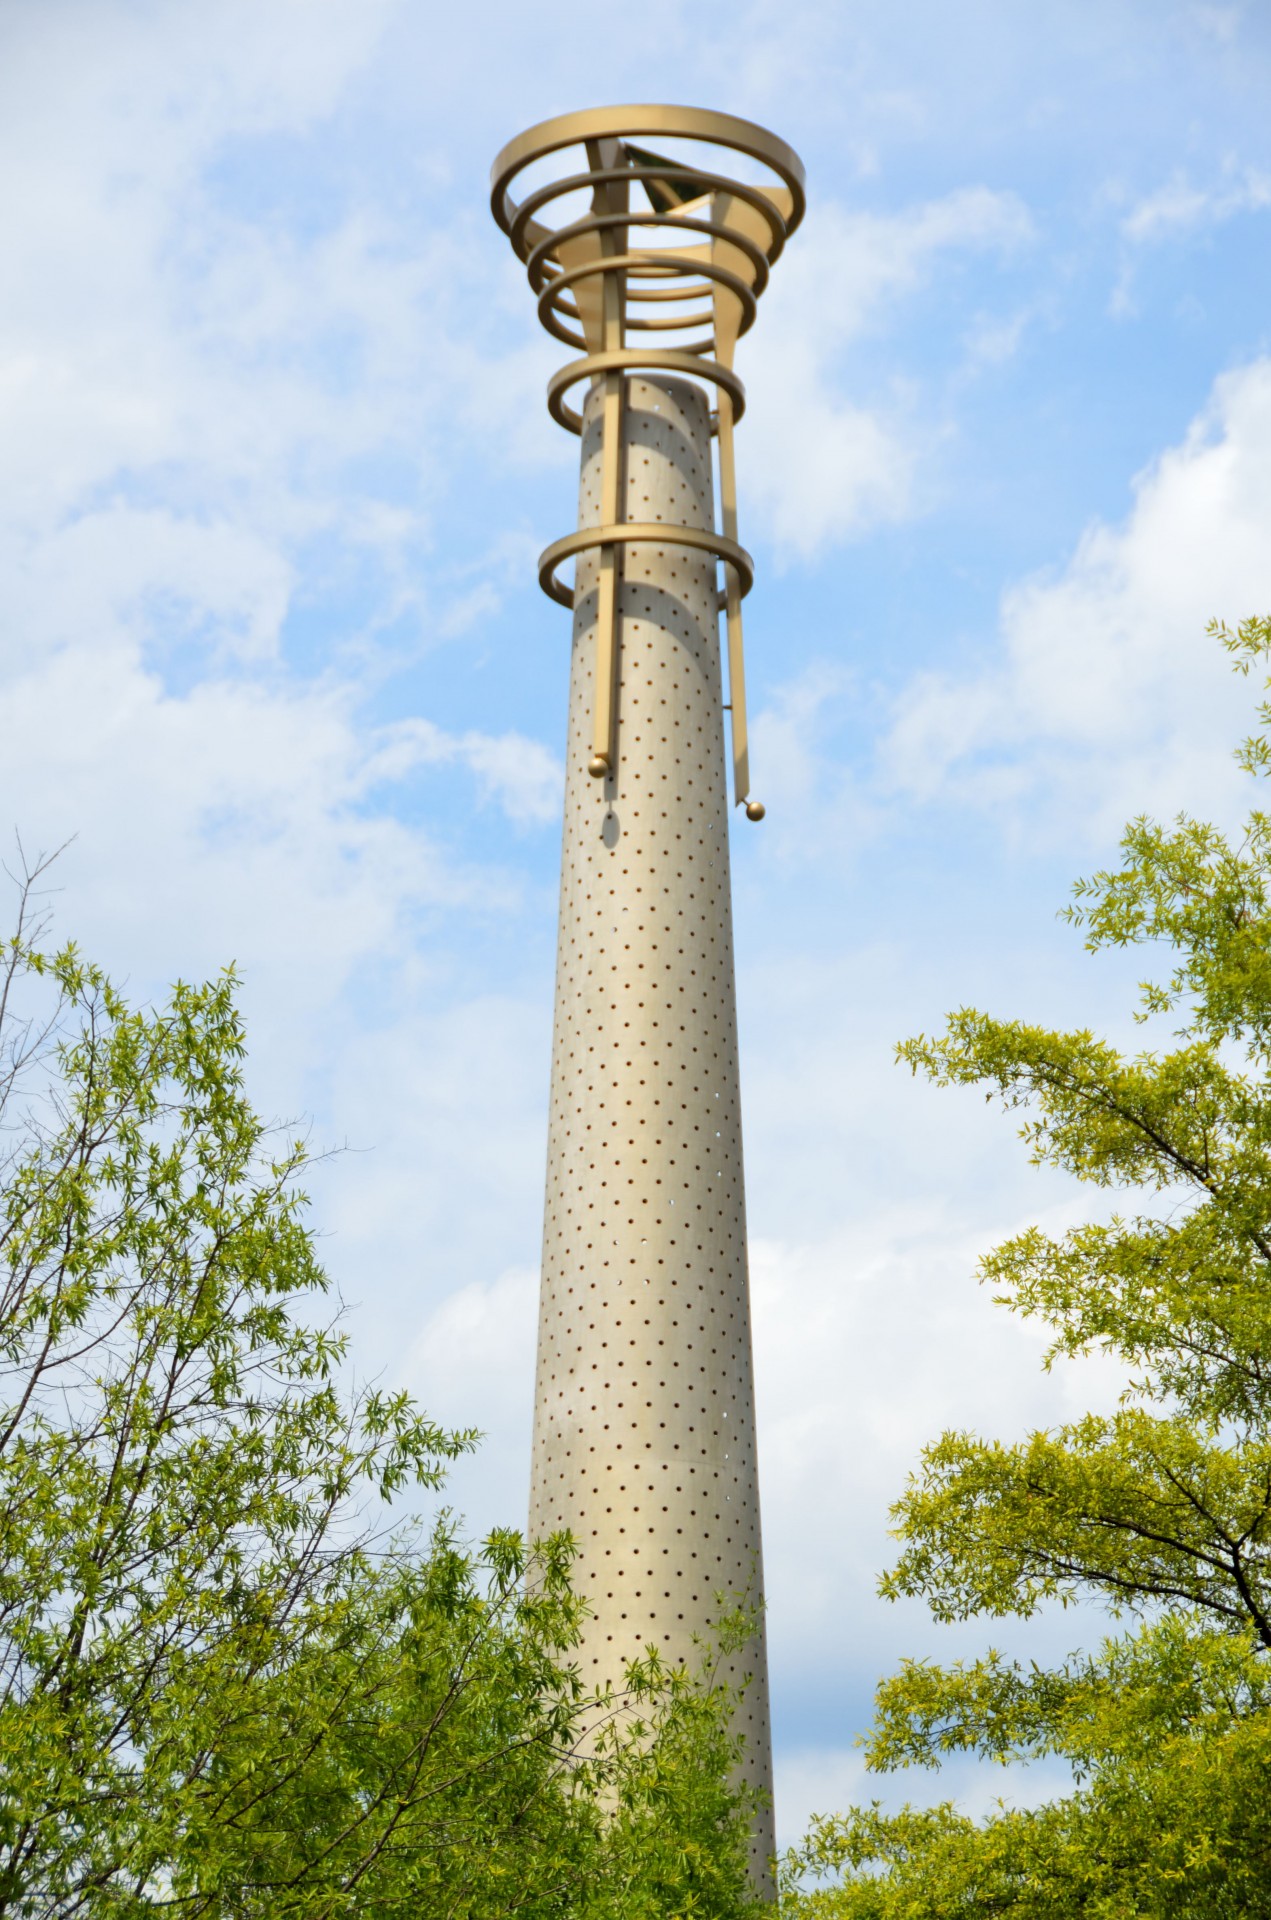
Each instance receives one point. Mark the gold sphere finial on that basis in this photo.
(755, 810)
(598, 766)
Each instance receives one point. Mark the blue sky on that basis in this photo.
(276, 468)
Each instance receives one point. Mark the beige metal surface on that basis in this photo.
(644, 1434)
(644, 1426)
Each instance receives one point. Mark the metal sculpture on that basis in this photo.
(644, 1438)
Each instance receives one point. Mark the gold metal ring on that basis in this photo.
(538, 260)
(638, 360)
(647, 532)
(603, 176)
(627, 263)
(642, 122)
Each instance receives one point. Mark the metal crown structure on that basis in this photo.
(596, 290)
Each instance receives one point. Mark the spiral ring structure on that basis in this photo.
(667, 287)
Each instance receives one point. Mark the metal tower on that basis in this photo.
(644, 1428)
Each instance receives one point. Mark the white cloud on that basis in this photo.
(791, 747)
(472, 1362)
(1182, 208)
(226, 823)
(817, 1780)
(820, 466)
(1107, 698)
(113, 333)
(168, 578)
(868, 1344)
(1221, 23)
(1179, 206)
(525, 779)
(827, 1780)
(992, 339)
(168, 346)
(192, 394)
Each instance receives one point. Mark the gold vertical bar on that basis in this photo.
(612, 197)
(607, 590)
(732, 604)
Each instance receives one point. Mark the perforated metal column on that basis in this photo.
(644, 1434)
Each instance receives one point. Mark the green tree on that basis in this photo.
(1161, 1510)
(225, 1688)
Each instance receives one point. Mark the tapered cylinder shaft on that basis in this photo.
(644, 1434)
